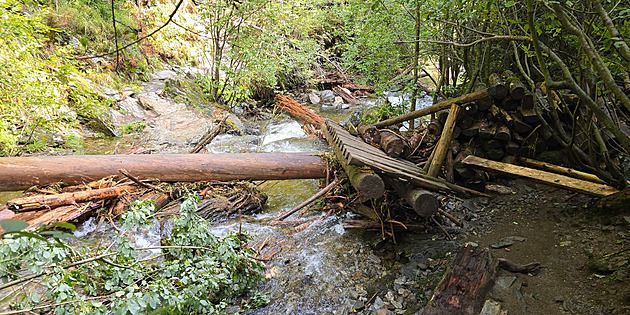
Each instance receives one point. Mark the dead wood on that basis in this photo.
(52, 201)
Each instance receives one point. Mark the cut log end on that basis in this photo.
(369, 185)
(424, 203)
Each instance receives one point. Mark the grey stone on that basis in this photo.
(491, 307)
(132, 107)
(163, 75)
(507, 242)
(313, 98)
(378, 303)
(327, 96)
(505, 281)
(358, 306)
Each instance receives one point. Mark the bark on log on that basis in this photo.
(538, 176)
(463, 289)
(369, 133)
(72, 198)
(498, 88)
(501, 114)
(298, 111)
(529, 115)
(443, 144)
(509, 104)
(393, 145)
(434, 108)
(423, 202)
(358, 87)
(60, 214)
(17, 173)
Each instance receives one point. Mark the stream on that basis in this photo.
(321, 268)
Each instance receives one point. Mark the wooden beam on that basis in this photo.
(466, 98)
(444, 143)
(539, 176)
(17, 173)
(561, 170)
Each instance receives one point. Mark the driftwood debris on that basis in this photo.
(539, 176)
(210, 136)
(322, 192)
(18, 173)
(345, 95)
(298, 111)
(369, 133)
(393, 145)
(51, 201)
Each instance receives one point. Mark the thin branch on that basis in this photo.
(170, 18)
(115, 36)
(481, 40)
(309, 200)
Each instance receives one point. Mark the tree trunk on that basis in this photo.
(51, 201)
(298, 111)
(18, 173)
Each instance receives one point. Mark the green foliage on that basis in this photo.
(133, 127)
(199, 274)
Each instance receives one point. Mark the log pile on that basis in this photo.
(497, 123)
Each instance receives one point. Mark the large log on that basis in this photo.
(17, 173)
(393, 145)
(423, 202)
(298, 111)
(463, 289)
(516, 87)
(539, 176)
(466, 98)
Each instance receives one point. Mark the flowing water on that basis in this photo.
(322, 268)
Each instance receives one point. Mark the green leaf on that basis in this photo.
(64, 225)
(13, 225)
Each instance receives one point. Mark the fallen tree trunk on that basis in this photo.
(72, 198)
(345, 95)
(539, 176)
(17, 173)
(463, 289)
(466, 98)
(298, 111)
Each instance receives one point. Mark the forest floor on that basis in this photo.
(584, 251)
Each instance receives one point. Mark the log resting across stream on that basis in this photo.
(17, 173)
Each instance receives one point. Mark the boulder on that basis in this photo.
(313, 98)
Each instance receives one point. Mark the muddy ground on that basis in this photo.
(584, 250)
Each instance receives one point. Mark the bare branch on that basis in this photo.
(481, 40)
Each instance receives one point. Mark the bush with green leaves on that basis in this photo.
(196, 272)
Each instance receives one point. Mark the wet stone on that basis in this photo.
(358, 306)
(491, 307)
(507, 242)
